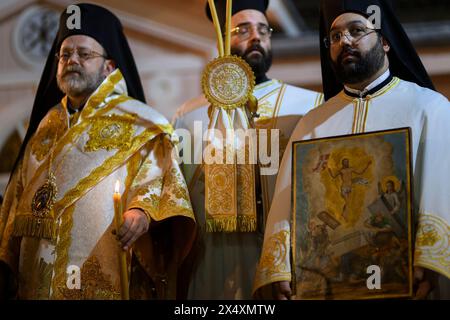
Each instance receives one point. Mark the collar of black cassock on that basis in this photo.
(371, 91)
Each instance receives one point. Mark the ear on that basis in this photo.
(386, 45)
(109, 66)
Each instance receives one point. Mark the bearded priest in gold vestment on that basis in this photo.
(89, 129)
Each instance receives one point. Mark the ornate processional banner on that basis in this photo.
(352, 212)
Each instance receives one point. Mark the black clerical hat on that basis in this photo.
(404, 62)
(102, 25)
(238, 5)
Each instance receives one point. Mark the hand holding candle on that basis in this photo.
(122, 255)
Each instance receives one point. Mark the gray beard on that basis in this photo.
(79, 85)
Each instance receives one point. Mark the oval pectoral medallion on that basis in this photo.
(44, 198)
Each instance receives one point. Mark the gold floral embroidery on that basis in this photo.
(83, 186)
(108, 166)
(148, 197)
(151, 203)
(176, 185)
(275, 253)
(175, 198)
(110, 132)
(220, 197)
(433, 244)
(165, 197)
(274, 262)
(230, 196)
(153, 186)
(143, 171)
(428, 236)
(95, 284)
(44, 138)
(246, 197)
(69, 138)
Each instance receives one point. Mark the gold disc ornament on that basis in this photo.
(228, 82)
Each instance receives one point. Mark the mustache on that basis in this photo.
(73, 68)
(348, 50)
(256, 47)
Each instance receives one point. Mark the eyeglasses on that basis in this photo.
(244, 31)
(83, 55)
(353, 34)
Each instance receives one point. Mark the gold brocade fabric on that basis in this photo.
(225, 262)
(114, 138)
(274, 264)
(97, 284)
(432, 242)
(230, 199)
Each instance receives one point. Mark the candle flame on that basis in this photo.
(117, 187)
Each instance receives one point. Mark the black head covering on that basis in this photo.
(404, 62)
(106, 29)
(238, 5)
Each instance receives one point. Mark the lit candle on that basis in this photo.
(118, 218)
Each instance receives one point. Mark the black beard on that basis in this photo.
(260, 64)
(365, 66)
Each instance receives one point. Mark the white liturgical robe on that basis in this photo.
(226, 265)
(397, 104)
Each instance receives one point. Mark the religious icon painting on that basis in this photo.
(352, 216)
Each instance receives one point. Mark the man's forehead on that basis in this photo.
(81, 41)
(350, 17)
(248, 16)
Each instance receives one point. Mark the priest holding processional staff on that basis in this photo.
(231, 220)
